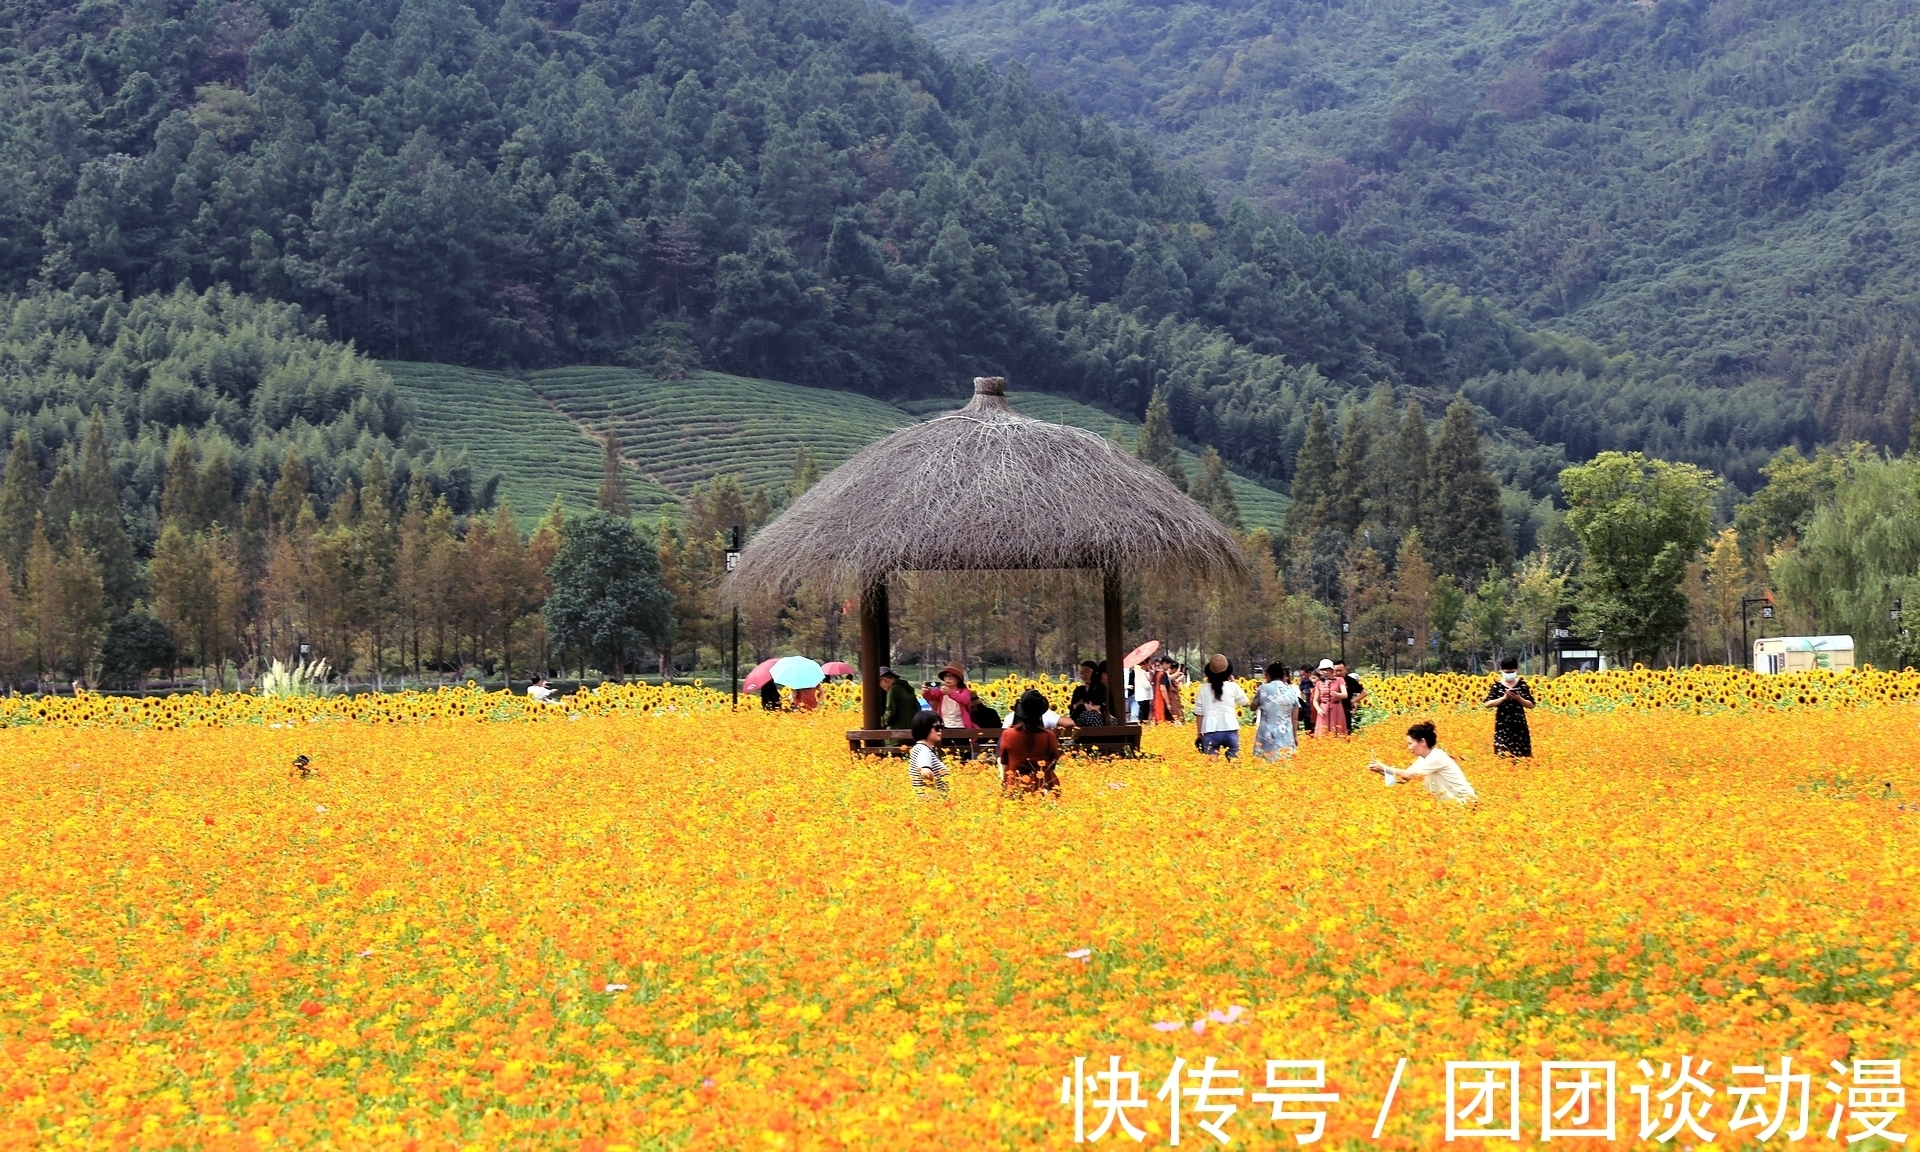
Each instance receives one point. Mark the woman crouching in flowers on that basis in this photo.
(1029, 749)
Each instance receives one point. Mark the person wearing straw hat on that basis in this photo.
(952, 700)
(1216, 709)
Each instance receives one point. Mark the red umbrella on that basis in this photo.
(757, 679)
(1139, 655)
(837, 668)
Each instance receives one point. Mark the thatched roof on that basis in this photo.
(981, 489)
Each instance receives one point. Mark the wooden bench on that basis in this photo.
(1114, 740)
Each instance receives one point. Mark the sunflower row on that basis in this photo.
(1699, 690)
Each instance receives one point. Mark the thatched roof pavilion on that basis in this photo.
(983, 488)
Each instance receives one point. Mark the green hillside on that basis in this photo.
(1728, 186)
(508, 429)
(681, 432)
(537, 431)
(1260, 506)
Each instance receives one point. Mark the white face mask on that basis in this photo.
(1510, 678)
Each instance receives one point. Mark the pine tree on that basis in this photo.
(805, 474)
(290, 493)
(82, 608)
(42, 581)
(213, 502)
(11, 649)
(97, 519)
(613, 479)
(1414, 448)
(180, 485)
(1384, 477)
(1461, 520)
(1312, 476)
(1413, 593)
(1156, 445)
(20, 503)
(1214, 492)
(1350, 496)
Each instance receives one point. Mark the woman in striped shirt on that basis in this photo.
(925, 769)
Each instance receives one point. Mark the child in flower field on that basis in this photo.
(1431, 767)
(924, 767)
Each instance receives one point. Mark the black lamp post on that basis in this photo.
(1346, 626)
(1766, 613)
(733, 559)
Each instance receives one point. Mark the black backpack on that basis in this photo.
(983, 715)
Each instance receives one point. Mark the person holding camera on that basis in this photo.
(1510, 698)
(1431, 766)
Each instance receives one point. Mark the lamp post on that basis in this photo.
(1346, 626)
(1766, 613)
(733, 560)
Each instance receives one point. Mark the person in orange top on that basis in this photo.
(1029, 750)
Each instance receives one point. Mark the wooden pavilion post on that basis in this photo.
(1116, 650)
(876, 645)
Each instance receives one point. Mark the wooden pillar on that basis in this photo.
(1116, 648)
(875, 645)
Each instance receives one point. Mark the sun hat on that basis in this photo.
(956, 670)
(1325, 666)
(1217, 662)
(1031, 707)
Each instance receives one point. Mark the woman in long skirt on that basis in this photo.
(1329, 702)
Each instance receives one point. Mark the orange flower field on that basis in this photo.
(664, 925)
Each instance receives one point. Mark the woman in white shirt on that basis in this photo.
(1431, 767)
(1216, 709)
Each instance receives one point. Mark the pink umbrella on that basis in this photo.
(757, 679)
(837, 668)
(1139, 655)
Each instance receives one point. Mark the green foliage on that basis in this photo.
(1724, 187)
(240, 380)
(1460, 514)
(543, 456)
(136, 644)
(1312, 489)
(612, 497)
(1641, 522)
(1212, 491)
(607, 599)
(1860, 553)
(1155, 445)
(802, 189)
(1796, 488)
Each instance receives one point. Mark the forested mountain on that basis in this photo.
(804, 191)
(1725, 187)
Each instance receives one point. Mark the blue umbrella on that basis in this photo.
(798, 672)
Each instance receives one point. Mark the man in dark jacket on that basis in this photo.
(901, 705)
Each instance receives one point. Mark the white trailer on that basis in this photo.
(1776, 654)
